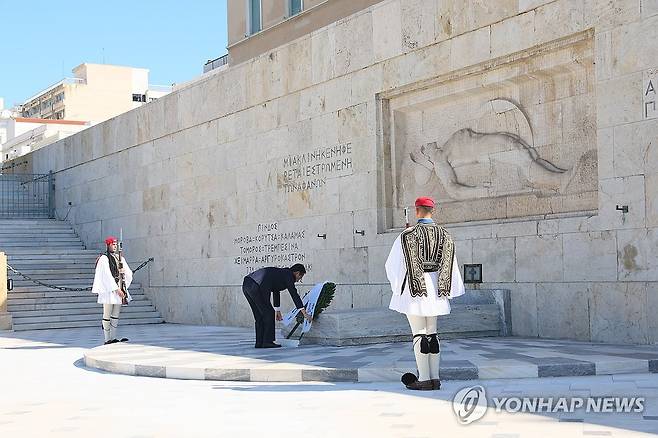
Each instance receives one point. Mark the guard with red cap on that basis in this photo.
(424, 275)
(107, 281)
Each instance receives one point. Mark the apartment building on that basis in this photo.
(95, 93)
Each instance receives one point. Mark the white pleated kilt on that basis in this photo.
(431, 305)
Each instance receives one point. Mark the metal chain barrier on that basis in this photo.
(70, 289)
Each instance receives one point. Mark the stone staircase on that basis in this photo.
(48, 250)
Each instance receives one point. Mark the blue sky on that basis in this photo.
(43, 40)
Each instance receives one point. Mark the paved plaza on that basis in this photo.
(227, 353)
(48, 391)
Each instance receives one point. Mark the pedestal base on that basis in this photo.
(5, 321)
(477, 313)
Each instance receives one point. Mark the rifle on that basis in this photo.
(122, 277)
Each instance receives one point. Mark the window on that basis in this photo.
(253, 16)
(139, 97)
(295, 6)
(59, 97)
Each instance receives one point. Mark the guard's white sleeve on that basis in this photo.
(128, 274)
(395, 267)
(457, 284)
(103, 280)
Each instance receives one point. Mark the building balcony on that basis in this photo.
(215, 63)
(65, 81)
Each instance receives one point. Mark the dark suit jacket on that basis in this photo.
(274, 280)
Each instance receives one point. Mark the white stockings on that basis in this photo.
(110, 320)
(426, 347)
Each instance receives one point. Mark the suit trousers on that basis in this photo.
(261, 307)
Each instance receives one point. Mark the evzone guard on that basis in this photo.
(111, 282)
(424, 275)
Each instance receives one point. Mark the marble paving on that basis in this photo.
(47, 391)
(227, 353)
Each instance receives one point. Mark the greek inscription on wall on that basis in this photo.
(269, 245)
(310, 170)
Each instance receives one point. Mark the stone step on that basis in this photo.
(73, 324)
(61, 300)
(35, 231)
(52, 277)
(142, 301)
(28, 227)
(54, 293)
(33, 221)
(52, 260)
(29, 243)
(89, 313)
(35, 271)
(37, 289)
(48, 268)
(73, 242)
(45, 253)
(81, 297)
(19, 283)
(48, 262)
(44, 240)
(28, 234)
(68, 268)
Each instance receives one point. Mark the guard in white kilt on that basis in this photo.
(424, 275)
(106, 285)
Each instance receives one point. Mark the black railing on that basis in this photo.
(215, 63)
(27, 195)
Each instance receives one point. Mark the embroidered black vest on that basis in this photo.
(427, 248)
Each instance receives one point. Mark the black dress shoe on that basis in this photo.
(271, 345)
(425, 385)
(111, 341)
(124, 340)
(436, 384)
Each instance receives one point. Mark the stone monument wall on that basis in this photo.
(528, 120)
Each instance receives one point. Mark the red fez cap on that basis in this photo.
(110, 240)
(425, 202)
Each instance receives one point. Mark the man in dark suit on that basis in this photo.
(257, 288)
